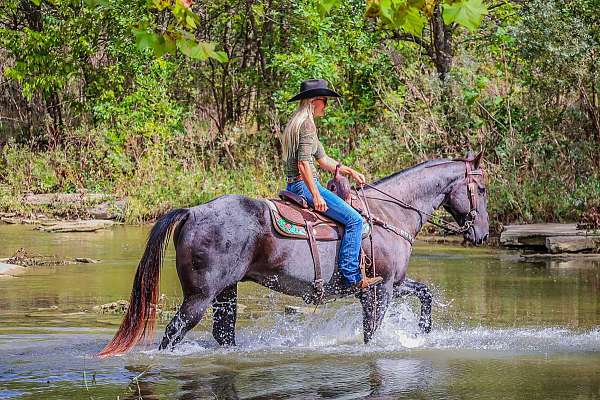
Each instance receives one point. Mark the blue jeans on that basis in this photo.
(340, 211)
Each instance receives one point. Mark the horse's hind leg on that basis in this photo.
(224, 316)
(419, 289)
(190, 313)
(374, 302)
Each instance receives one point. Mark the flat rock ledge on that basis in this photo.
(78, 226)
(554, 238)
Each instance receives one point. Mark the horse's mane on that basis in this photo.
(413, 169)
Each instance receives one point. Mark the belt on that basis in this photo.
(292, 179)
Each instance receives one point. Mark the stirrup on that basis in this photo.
(376, 280)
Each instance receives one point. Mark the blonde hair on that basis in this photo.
(291, 134)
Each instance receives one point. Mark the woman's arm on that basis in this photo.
(329, 164)
(307, 177)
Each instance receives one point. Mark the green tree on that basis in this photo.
(430, 24)
(560, 45)
(66, 54)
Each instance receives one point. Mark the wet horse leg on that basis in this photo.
(190, 313)
(419, 289)
(224, 316)
(374, 301)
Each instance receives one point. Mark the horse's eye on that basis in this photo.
(482, 191)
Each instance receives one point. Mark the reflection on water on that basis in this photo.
(503, 329)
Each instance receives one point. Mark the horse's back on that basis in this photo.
(219, 240)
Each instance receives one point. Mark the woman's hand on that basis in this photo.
(319, 203)
(358, 177)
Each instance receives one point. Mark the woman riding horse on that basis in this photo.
(231, 239)
(301, 145)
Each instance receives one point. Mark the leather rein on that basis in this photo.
(449, 227)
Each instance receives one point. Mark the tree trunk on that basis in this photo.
(441, 41)
(53, 108)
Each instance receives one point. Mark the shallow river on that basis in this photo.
(502, 329)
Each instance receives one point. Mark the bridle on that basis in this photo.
(472, 186)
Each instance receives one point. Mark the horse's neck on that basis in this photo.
(423, 188)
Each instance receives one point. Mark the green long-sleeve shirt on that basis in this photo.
(309, 149)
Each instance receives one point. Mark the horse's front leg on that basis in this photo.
(375, 301)
(419, 289)
(224, 316)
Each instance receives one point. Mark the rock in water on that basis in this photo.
(9, 270)
(85, 260)
(571, 244)
(116, 307)
(295, 310)
(555, 238)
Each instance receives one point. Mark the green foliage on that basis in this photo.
(147, 108)
(146, 113)
(24, 173)
(411, 16)
(468, 13)
(325, 6)
(560, 43)
(178, 34)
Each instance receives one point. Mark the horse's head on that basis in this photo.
(467, 201)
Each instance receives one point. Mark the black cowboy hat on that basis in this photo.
(314, 88)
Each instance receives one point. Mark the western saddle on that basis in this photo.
(292, 218)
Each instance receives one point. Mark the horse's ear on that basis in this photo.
(470, 155)
(477, 160)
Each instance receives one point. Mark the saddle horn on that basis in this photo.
(340, 185)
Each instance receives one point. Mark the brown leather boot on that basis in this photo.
(367, 282)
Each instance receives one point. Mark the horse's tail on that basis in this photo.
(140, 318)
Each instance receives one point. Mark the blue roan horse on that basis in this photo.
(231, 239)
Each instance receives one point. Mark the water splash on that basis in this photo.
(516, 340)
(339, 330)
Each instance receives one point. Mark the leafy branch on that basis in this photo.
(178, 35)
